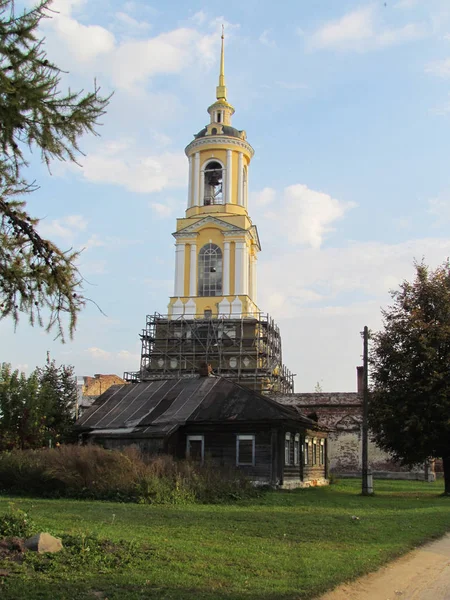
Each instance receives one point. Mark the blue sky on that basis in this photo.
(347, 105)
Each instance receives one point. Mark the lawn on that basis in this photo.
(284, 545)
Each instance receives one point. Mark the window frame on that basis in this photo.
(322, 452)
(246, 437)
(287, 449)
(314, 451)
(306, 458)
(207, 286)
(296, 449)
(195, 438)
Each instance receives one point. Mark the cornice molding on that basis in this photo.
(192, 230)
(219, 141)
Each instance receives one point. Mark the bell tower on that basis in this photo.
(213, 316)
(216, 243)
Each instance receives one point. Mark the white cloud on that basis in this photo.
(113, 362)
(162, 210)
(262, 198)
(322, 279)
(362, 30)
(85, 42)
(65, 227)
(307, 215)
(440, 68)
(98, 353)
(126, 164)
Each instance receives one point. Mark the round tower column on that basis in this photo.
(196, 200)
(229, 186)
(190, 183)
(240, 196)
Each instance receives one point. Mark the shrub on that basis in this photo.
(95, 473)
(16, 523)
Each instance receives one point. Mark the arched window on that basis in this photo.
(210, 271)
(213, 184)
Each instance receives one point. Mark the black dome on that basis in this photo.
(227, 130)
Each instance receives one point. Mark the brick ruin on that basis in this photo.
(342, 413)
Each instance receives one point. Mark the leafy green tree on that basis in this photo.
(38, 410)
(409, 410)
(36, 277)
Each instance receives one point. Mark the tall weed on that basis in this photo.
(93, 472)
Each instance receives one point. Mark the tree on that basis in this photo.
(36, 277)
(38, 410)
(409, 411)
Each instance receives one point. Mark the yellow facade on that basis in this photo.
(216, 241)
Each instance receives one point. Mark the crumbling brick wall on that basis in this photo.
(342, 413)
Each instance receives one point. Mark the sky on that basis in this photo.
(347, 105)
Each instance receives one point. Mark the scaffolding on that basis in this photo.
(245, 349)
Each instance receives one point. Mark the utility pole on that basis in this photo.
(367, 479)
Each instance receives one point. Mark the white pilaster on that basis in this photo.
(240, 197)
(190, 183)
(229, 176)
(179, 269)
(253, 280)
(197, 179)
(239, 276)
(226, 269)
(245, 269)
(193, 271)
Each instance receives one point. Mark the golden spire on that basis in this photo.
(221, 90)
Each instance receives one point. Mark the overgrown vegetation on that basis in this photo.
(95, 473)
(37, 410)
(16, 523)
(280, 546)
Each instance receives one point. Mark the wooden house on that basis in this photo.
(211, 419)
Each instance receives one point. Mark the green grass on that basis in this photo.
(282, 546)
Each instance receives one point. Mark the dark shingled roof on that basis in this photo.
(159, 407)
(227, 130)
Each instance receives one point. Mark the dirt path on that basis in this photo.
(423, 574)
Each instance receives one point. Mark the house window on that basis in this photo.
(210, 271)
(287, 449)
(314, 451)
(195, 448)
(245, 450)
(306, 451)
(297, 449)
(322, 452)
(213, 184)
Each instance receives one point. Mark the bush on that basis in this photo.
(16, 523)
(95, 473)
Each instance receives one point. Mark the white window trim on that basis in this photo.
(245, 438)
(195, 438)
(297, 446)
(314, 451)
(287, 438)
(306, 457)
